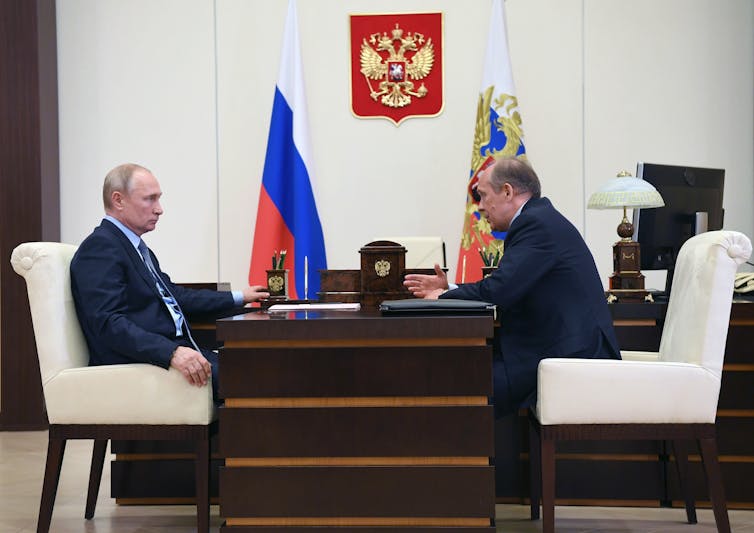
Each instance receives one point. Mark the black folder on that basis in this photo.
(444, 306)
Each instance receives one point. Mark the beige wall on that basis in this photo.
(185, 87)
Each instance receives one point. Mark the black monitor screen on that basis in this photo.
(686, 192)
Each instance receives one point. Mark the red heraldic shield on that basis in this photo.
(396, 66)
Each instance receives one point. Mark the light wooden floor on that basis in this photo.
(22, 457)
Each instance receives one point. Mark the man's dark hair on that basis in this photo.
(518, 173)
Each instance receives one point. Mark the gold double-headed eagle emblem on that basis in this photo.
(276, 283)
(396, 71)
(382, 268)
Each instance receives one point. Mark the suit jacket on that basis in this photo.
(121, 312)
(550, 299)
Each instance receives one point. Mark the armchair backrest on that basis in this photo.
(60, 341)
(696, 322)
(421, 252)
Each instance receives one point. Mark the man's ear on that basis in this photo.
(116, 200)
(508, 190)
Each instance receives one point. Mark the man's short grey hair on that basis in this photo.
(518, 173)
(119, 179)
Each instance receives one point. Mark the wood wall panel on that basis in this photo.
(29, 191)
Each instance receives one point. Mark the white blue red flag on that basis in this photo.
(497, 134)
(287, 217)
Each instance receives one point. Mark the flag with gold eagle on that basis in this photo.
(497, 133)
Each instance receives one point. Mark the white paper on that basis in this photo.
(316, 307)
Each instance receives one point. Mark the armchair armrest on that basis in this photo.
(634, 355)
(126, 394)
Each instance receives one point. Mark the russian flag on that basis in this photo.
(287, 217)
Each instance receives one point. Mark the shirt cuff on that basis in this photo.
(237, 298)
(452, 286)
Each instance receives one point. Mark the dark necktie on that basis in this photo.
(167, 297)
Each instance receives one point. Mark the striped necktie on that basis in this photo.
(167, 297)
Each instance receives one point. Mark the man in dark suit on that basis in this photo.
(547, 290)
(128, 308)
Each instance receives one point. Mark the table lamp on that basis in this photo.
(624, 191)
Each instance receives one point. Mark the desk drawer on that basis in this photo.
(349, 491)
(356, 371)
(358, 431)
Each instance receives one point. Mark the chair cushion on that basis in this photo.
(606, 391)
(107, 395)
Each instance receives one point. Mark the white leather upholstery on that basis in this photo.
(633, 355)
(680, 383)
(76, 393)
(421, 252)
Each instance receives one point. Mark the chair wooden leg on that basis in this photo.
(535, 469)
(202, 485)
(708, 448)
(548, 485)
(95, 475)
(55, 451)
(680, 452)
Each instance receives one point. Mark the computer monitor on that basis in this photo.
(693, 204)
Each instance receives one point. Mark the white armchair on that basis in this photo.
(669, 395)
(132, 401)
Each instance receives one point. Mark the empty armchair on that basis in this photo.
(421, 252)
(132, 401)
(671, 395)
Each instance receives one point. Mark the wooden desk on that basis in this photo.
(608, 473)
(356, 420)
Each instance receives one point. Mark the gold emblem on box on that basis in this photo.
(275, 283)
(382, 267)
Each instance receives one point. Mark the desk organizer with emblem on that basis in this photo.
(383, 268)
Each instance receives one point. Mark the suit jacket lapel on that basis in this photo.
(133, 255)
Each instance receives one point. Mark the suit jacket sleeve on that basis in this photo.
(527, 259)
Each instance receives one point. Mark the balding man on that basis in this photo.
(547, 290)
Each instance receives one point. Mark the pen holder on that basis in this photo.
(277, 283)
(487, 270)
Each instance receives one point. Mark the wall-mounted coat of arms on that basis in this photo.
(396, 65)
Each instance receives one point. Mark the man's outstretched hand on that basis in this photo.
(427, 285)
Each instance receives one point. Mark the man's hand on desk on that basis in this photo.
(427, 286)
(192, 364)
(254, 293)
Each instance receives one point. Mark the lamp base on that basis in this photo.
(627, 281)
(628, 296)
